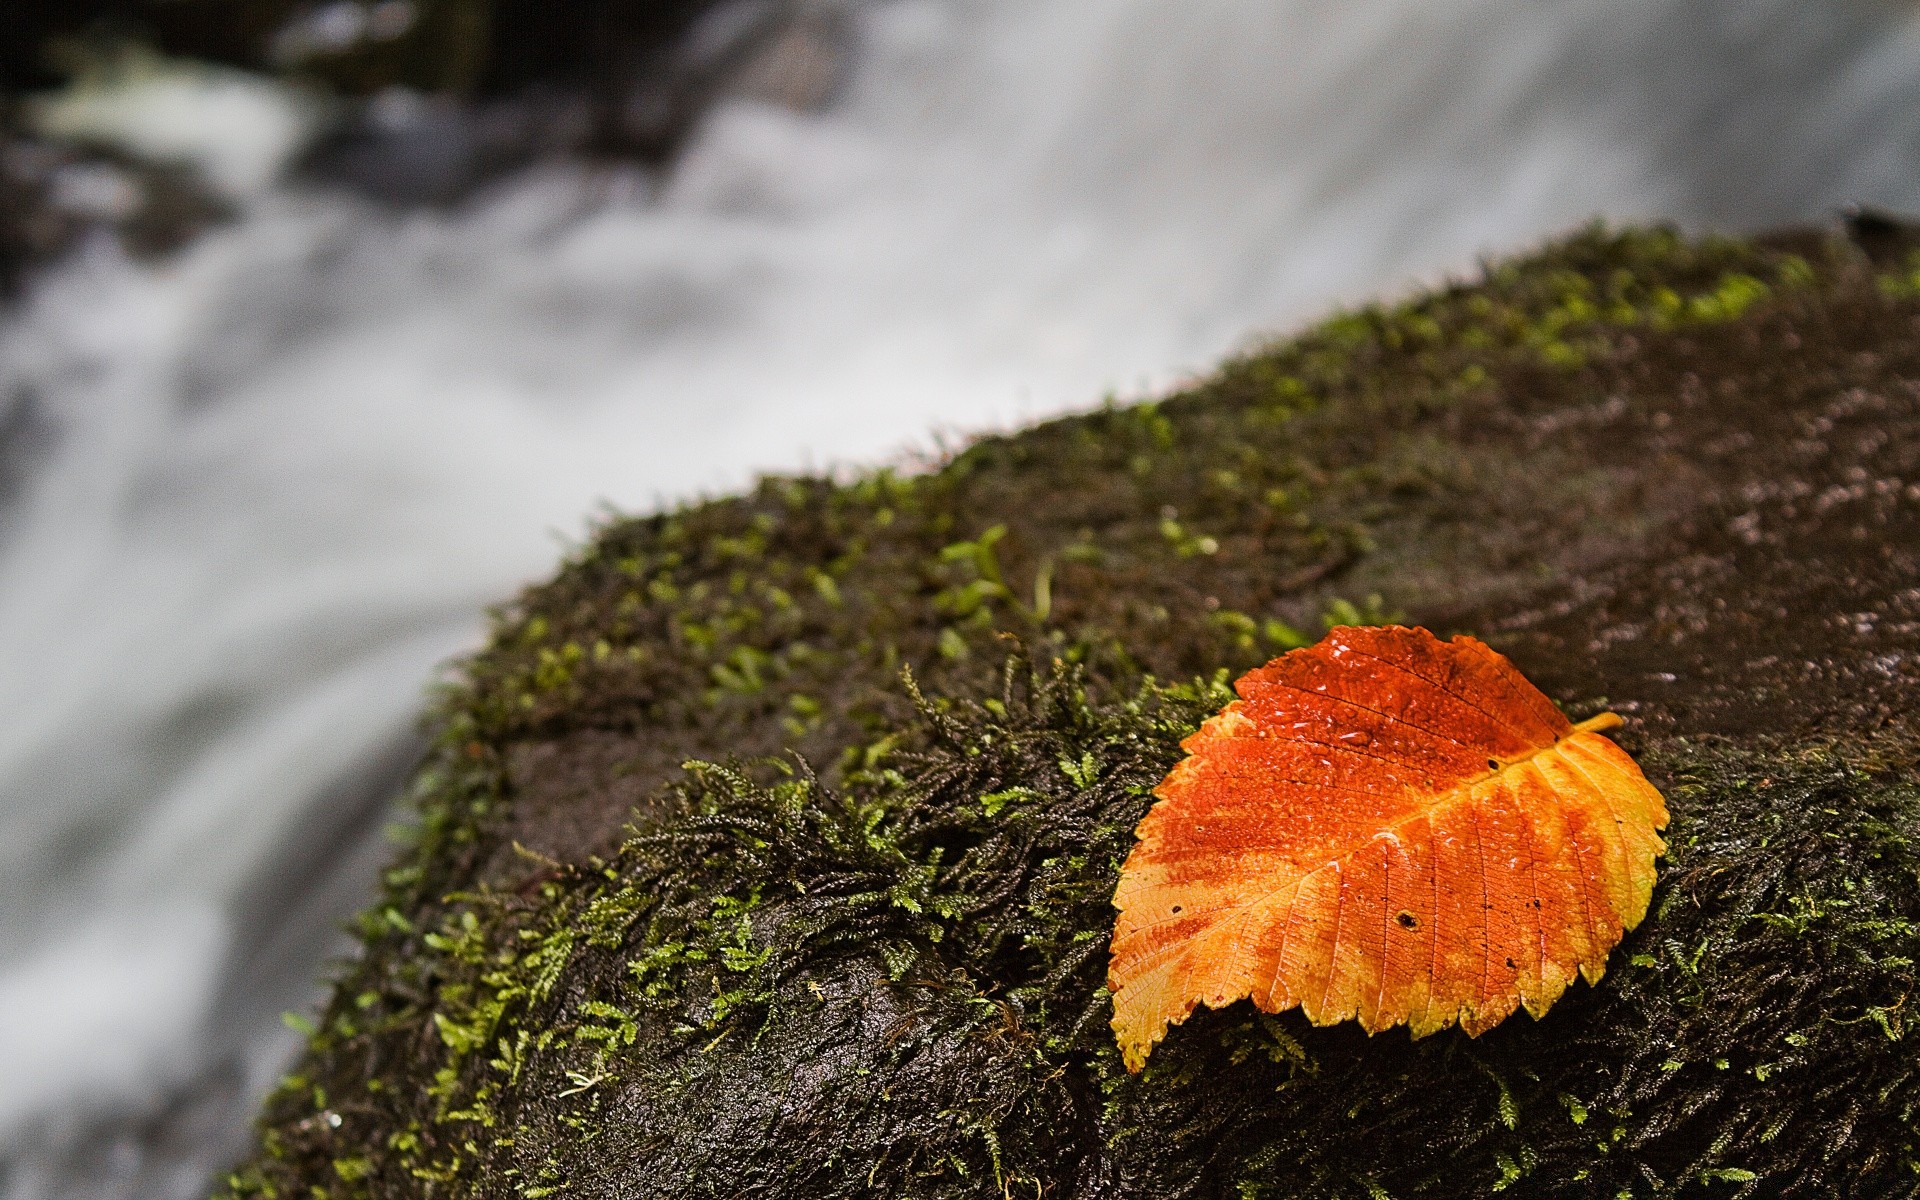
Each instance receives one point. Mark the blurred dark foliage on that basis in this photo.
(467, 47)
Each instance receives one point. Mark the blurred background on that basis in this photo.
(328, 323)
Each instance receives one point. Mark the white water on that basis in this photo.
(290, 467)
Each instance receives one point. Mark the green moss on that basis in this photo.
(970, 868)
(855, 947)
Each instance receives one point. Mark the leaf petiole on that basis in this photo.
(1600, 723)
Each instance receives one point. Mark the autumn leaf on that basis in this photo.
(1385, 827)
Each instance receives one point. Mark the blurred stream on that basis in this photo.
(251, 495)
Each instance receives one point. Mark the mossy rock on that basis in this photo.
(855, 947)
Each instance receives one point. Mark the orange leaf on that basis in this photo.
(1388, 827)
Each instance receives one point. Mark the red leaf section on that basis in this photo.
(1385, 827)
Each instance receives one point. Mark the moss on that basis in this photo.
(1754, 1028)
(855, 947)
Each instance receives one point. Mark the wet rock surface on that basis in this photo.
(860, 951)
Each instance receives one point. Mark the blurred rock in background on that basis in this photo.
(406, 101)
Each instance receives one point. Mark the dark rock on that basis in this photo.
(627, 82)
(793, 55)
(404, 148)
(28, 28)
(31, 230)
(859, 951)
(1887, 239)
(51, 196)
(636, 95)
(439, 96)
